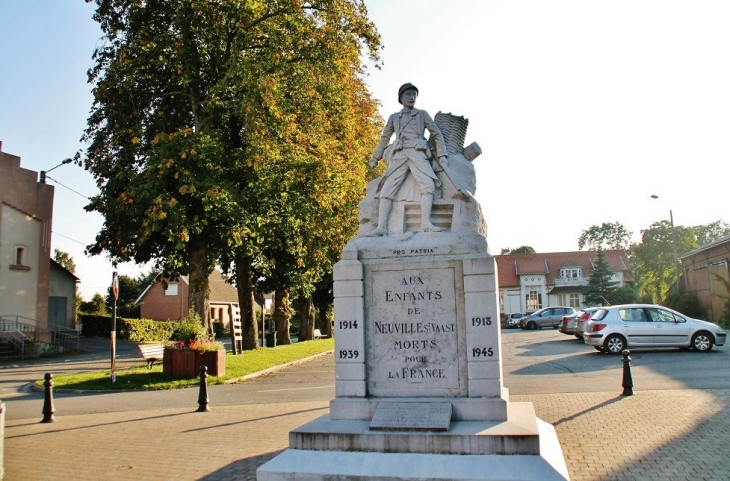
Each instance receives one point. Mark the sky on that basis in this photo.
(583, 109)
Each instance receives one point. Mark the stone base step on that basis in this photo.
(310, 465)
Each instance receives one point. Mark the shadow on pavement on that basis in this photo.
(244, 469)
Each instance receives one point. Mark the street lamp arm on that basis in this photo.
(44, 172)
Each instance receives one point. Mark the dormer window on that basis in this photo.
(571, 272)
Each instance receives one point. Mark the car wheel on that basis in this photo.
(531, 326)
(614, 344)
(702, 342)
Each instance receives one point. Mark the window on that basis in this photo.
(533, 298)
(20, 260)
(632, 315)
(574, 301)
(571, 273)
(660, 315)
(171, 289)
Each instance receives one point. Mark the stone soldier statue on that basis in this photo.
(409, 153)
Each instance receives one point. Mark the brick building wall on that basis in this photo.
(161, 306)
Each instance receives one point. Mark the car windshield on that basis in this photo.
(599, 315)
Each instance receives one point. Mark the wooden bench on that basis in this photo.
(151, 352)
(318, 334)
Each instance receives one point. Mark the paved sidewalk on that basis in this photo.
(653, 435)
(657, 435)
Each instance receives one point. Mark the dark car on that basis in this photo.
(574, 324)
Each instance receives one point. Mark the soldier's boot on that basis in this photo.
(383, 213)
(426, 204)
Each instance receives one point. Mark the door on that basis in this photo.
(636, 325)
(669, 329)
(57, 311)
(546, 318)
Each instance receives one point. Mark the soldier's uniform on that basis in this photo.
(410, 152)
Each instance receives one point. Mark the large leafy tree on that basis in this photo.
(609, 235)
(205, 111)
(653, 261)
(711, 232)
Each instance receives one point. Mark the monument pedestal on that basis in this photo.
(418, 361)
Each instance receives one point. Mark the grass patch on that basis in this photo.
(236, 366)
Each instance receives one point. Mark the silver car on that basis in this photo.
(545, 317)
(615, 328)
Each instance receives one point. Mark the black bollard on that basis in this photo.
(627, 382)
(203, 396)
(48, 409)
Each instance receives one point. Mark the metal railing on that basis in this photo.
(18, 330)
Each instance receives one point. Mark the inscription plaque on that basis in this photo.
(412, 331)
(390, 416)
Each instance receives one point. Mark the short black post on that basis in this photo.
(627, 382)
(48, 409)
(203, 396)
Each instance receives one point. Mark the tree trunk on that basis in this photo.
(199, 286)
(306, 318)
(282, 313)
(244, 285)
(324, 321)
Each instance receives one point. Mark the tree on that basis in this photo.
(600, 286)
(609, 235)
(519, 250)
(65, 259)
(202, 106)
(653, 260)
(95, 306)
(711, 232)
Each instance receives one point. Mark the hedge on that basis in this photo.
(127, 329)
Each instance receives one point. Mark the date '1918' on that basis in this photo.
(481, 321)
(348, 354)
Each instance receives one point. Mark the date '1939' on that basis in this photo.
(348, 354)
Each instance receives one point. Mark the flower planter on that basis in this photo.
(186, 363)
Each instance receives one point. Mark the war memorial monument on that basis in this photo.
(418, 366)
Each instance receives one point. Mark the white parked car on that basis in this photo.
(615, 328)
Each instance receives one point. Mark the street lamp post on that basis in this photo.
(674, 245)
(44, 172)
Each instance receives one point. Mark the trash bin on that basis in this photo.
(270, 339)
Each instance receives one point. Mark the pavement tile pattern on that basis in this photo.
(654, 435)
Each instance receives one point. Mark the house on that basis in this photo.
(172, 303)
(61, 297)
(528, 282)
(25, 243)
(707, 275)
